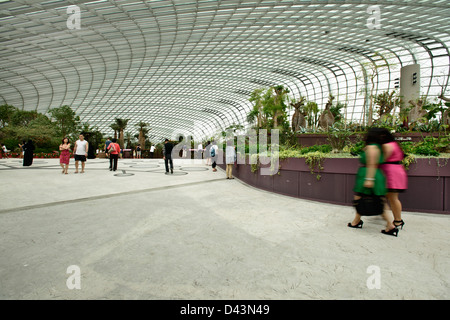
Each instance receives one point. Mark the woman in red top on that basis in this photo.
(114, 150)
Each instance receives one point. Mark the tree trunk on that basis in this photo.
(141, 140)
(121, 139)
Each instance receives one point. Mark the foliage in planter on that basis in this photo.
(324, 148)
(286, 153)
(430, 146)
(356, 149)
(427, 147)
(314, 159)
(338, 136)
(254, 162)
(407, 147)
(270, 111)
(408, 160)
(443, 144)
(426, 150)
(336, 111)
(315, 162)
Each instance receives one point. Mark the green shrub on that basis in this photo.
(407, 147)
(324, 148)
(425, 150)
(356, 149)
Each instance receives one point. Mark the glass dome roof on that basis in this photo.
(188, 67)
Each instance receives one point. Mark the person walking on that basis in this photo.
(28, 154)
(396, 176)
(152, 151)
(230, 157)
(22, 149)
(5, 151)
(107, 142)
(138, 151)
(81, 149)
(213, 153)
(167, 155)
(208, 153)
(114, 151)
(64, 157)
(370, 179)
(200, 151)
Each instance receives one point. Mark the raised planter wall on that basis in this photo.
(428, 182)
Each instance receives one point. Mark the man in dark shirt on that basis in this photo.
(167, 155)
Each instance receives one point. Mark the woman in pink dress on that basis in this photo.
(64, 157)
(396, 177)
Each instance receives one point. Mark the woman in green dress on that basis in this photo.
(370, 178)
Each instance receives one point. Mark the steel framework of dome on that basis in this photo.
(189, 66)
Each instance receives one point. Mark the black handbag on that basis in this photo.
(369, 205)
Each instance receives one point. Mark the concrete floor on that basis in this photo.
(196, 235)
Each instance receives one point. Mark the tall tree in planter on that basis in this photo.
(42, 131)
(386, 102)
(23, 118)
(129, 138)
(298, 118)
(275, 105)
(371, 72)
(336, 111)
(445, 120)
(256, 115)
(6, 113)
(115, 127)
(143, 130)
(312, 111)
(66, 120)
(121, 125)
(326, 118)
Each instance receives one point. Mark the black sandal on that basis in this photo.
(399, 223)
(392, 232)
(358, 226)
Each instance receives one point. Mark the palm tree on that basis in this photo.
(115, 127)
(121, 125)
(129, 139)
(143, 130)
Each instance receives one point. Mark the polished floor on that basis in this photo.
(140, 234)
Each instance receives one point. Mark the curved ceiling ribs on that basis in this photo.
(190, 65)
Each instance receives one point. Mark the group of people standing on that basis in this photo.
(381, 175)
(80, 152)
(211, 153)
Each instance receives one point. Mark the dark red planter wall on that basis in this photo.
(429, 182)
